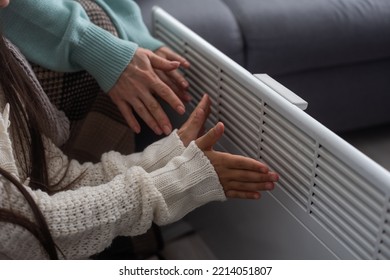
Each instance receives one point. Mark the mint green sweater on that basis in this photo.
(58, 35)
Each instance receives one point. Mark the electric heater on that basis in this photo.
(338, 198)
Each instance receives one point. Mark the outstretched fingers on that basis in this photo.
(199, 116)
(241, 177)
(242, 194)
(161, 63)
(191, 129)
(244, 178)
(161, 89)
(128, 115)
(207, 141)
(244, 163)
(248, 189)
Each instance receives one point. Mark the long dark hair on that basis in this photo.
(26, 130)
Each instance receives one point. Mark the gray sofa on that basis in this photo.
(333, 53)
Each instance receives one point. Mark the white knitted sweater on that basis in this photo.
(121, 195)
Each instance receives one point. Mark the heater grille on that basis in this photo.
(338, 193)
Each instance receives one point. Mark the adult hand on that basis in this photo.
(194, 126)
(136, 86)
(174, 79)
(240, 177)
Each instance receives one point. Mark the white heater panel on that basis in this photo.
(340, 195)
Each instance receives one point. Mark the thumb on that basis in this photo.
(199, 116)
(207, 141)
(161, 63)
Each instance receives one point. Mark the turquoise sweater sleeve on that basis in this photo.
(126, 16)
(58, 35)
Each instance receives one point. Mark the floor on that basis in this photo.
(182, 242)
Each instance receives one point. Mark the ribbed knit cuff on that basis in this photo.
(158, 154)
(187, 182)
(103, 55)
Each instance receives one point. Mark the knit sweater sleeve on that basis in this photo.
(58, 35)
(121, 195)
(126, 15)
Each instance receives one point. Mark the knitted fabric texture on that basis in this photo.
(118, 196)
(121, 195)
(92, 114)
(75, 92)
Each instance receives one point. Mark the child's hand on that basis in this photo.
(241, 177)
(194, 126)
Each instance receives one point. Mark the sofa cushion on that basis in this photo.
(210, 19)
(283, 36)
